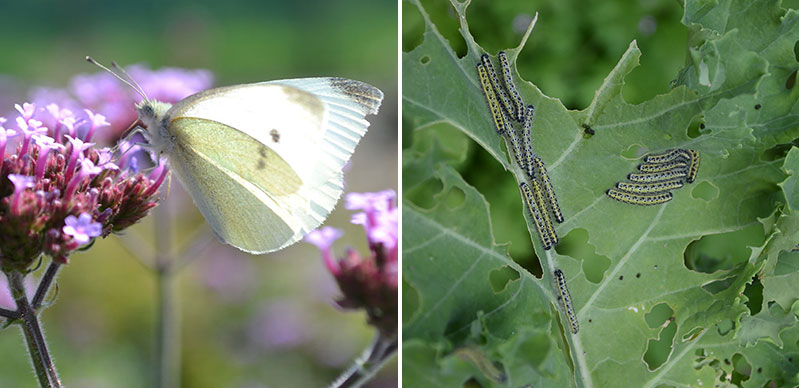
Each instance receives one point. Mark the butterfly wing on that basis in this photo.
(268, 153)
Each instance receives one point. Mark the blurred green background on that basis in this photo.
(247, 322)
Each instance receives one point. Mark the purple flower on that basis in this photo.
(45, 143)
(105, 159)
(60, 169)
(323, 238)
(82, 228)
(29, 128)
(97, 120)
(21, 183)
(369, 202)
(78, 146)
(26, 110)
(4, 135)
(368, 282)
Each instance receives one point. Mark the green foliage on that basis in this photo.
(722, 313)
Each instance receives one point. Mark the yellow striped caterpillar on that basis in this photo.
(500, 123)
(565, 300)
(498, 89)
(547, 186)
(649, 188)
(639, 199)
(538, 217)
(516, 98)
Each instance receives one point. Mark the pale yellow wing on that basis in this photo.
(236, 182)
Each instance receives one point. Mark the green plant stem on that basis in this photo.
(44, 284)
(40, 357)
(168, 330)
(368, 364)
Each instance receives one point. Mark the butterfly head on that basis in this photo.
(151, 112)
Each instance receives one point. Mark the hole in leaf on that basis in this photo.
(575, 245)
(721, 251)
(445, 18)
(725, 326)
(706, 191)
(692, 334)
(410, 302)
(776, 152)
(659, 314)
(500, 278)
(634, 151)
(695, 127)
(424, 60)
(423, 195)
(658, 350)
(412, 27)
(754, 294)
(791, 81)
(796, 50)
(501, 192)
(741, 369)
(717, 286)
(455, 198)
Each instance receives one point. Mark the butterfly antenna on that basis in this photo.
(126, 82)
(127, 75)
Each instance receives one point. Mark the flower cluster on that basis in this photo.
(367, 282)
(58, 191)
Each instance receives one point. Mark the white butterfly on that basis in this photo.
(263, 162)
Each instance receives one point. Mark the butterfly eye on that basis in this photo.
(565, 300)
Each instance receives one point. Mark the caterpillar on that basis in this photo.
(660, 167)
(649, 177)
(663, 157)
(498, 89)
(529, 116)
(500, 123)
(476, 356)
(538, 218)
(565, 300)
(539, 197)
(649, 188)
(547, 186)
(639, 199)
(694, 168)
(518, 103)
(517, 148)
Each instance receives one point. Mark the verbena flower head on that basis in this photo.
(367, 282)
(58, 192)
